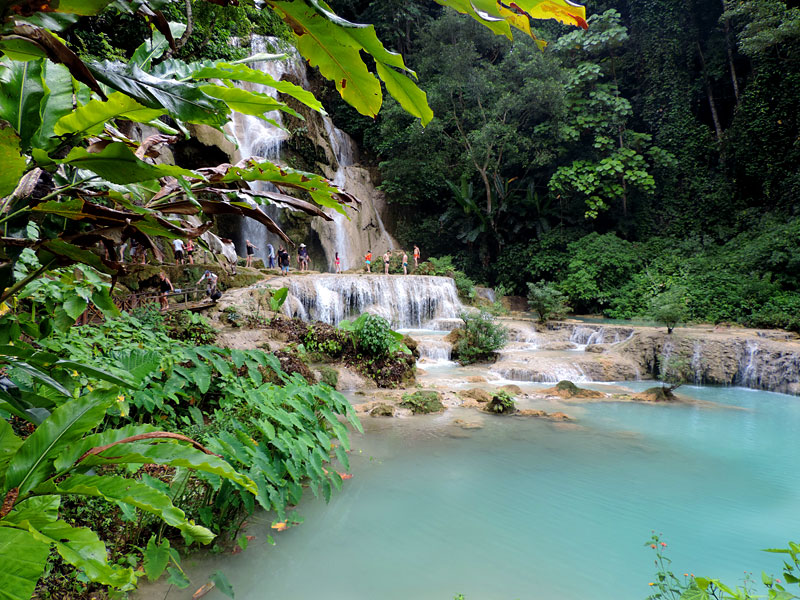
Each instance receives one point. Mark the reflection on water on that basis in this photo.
(528, 509)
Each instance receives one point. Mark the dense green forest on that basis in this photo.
(657, 150)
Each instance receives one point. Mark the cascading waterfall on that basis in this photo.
(697, 364)
(410, 301)
(350, 235)
(748, 375)
(258, 137)
(435, 350)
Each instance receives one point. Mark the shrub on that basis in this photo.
(329, 376)
(546, 301)
(187, 326)
(669, 308)
(373, 336)
(479, 338)
(502, 403)
(464, 285)
(422, 402)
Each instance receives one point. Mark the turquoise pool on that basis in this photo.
(528, 509)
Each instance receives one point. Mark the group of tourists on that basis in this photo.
(387, 257)
(282, 256)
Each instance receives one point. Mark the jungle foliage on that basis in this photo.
(656, 149)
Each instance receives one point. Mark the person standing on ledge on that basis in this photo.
(270, 256)
(250, 250)
(386, 258)
(368, 260)
(178, 245)
(405, 263)
(164, 286)
(190, 250)
(416, 256)
(338, 264)
(302, 258)
(283, 261)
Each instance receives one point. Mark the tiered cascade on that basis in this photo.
(406, 301)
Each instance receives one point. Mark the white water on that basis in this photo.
(403, 300)
(351, 235)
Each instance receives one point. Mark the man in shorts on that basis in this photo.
(368, 260)
(179, 246)
(302, 258)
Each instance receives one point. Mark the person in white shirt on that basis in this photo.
(211, 282)
(178, 245)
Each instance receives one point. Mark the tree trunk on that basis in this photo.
(710, 94)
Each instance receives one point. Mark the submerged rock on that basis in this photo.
(382, 410)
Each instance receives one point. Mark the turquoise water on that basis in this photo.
(528, 509)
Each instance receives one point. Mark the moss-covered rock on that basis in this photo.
(423, 402)
(567, 389)
(329, 375)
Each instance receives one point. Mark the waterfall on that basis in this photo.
(407, 301)
(748, 375)
(434, 350)
(586, 336)
(697, 365)
(350, 235)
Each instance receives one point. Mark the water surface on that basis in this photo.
(530, 509)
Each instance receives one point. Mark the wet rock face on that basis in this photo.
(724, 358)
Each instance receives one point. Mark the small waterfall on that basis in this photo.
(410, 301)
(547, 374)
(586, 336)
(749, 375)
(434, 350)
(697, 365)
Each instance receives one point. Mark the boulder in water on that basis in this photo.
(423, 402)
(567, 389)
(512, 389)
(382, 410)
(477, 394)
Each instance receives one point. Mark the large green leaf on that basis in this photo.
(406, 92)
(32, 463)
(38, 511)
(155, 47)
(135, 493)
(21, 93)
(183, 101)
(318, 187)
(117, 164)
(336, 54)
(9, 444)
(240, 72)
(56, 103)
(248, 103)
(175, 455)
(156, 558)
(80, 547)
(23, 558)
(12, 160)
(90, 119)
(71, 454)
